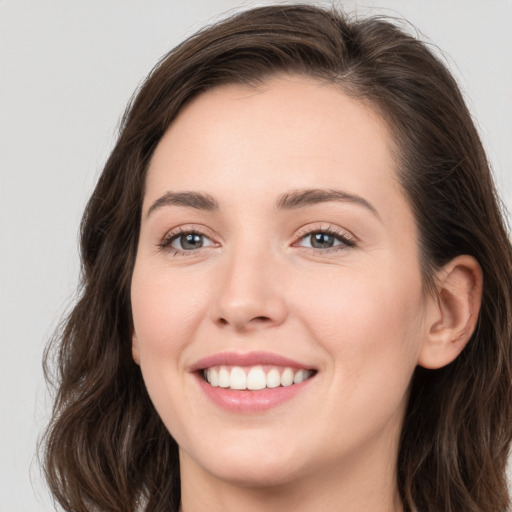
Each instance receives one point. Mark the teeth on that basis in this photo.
(213, 378)
(254, 378)
(299, 377)
(224, 378)
(287, 377)
(273, 378)
(238, 378)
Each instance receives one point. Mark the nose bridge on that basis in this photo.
(249, 291)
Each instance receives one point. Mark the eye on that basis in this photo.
(325, 239)
(185, 241)
(189, 241)
(321, 240)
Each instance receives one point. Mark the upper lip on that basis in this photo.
(247, 359)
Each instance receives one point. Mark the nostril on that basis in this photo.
(261, 319)
(255, 320)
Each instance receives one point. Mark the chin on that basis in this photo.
(257, 467)
(257, 475)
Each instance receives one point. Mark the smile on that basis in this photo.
(254, 378)
(252, 382)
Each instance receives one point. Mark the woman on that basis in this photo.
(296, 285)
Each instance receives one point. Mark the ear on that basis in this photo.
(135, 348)
(452, 315)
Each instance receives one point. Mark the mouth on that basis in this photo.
(252, 382)
(254, 378)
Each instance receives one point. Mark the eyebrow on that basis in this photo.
(195, 200)
(308, 197)
(295, 199)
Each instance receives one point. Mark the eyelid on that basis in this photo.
(164, 244)
(347, 239)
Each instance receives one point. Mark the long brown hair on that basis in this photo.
(106, 448)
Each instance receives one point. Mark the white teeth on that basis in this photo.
(254, 378)
(213, 377)
(224, 379)
(287, 377)
(273, 378)
(299, 376)
(238, 378)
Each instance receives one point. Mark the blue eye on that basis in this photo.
(325, 239)
(322, 240)
(186, 241)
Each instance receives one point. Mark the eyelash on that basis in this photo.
(169, 238)
(346, 241)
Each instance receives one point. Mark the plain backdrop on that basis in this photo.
(67, 69)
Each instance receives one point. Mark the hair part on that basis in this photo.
(107, 449)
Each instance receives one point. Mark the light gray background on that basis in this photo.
(67, 69)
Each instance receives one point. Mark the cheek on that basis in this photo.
(370, 319)
(165, 311)
(165, 319)
(370, 328)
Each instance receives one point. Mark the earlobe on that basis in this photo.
(453, 314)
(135, 348)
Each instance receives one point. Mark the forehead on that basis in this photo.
(290, 132)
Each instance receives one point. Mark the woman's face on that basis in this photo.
(276, 244)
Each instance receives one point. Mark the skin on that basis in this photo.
(356, 312)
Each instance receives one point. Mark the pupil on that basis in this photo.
(191, 241)
(322, 241)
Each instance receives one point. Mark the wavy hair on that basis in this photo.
(106, 449)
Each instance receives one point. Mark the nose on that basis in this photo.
(251, 294)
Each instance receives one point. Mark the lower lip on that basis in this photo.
(251, 401)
